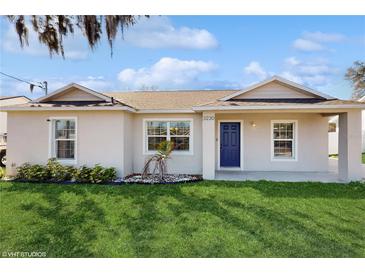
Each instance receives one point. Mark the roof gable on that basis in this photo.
(74, 93)
(277, 88)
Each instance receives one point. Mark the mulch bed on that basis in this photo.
(168, 179)
(131, 179)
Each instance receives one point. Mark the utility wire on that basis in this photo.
(40, 84)
(16, 78)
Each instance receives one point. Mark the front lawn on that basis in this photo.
(207, 219)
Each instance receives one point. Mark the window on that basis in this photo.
(63, 139)
(283, 140)
(179, 132)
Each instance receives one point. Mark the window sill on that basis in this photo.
(67, 161)
(284, 159)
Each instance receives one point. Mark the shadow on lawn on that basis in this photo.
(63, 232)
(299, 190)
(70, 232)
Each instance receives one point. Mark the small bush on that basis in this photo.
(22, 172)
(83, 174)
(32, 172)
(58, 172)
(100, 174)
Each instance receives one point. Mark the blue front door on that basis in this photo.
(230, 145)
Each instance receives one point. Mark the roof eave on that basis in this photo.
(279, 79)
(212, 108)
(121, 108)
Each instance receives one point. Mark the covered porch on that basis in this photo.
(284, 176)
(310, 148)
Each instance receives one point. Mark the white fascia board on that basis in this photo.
(5, 109)
(277, 107)
(165, 111)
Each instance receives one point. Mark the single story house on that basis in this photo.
(273, 127)
(333, 132)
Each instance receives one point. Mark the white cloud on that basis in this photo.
(96, 84)
(254, 68)
(314, 73)
(293, 61)
(73, 45)
(319, 36)
(166, 73)
(314, 41)
(292, 77)
(307, 45)
(158, 32)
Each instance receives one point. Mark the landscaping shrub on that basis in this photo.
(95, 175)
(100, 174)
(58, 172)
(83, 174)
(32, 172)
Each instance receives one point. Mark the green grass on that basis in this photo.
(208, 219)
(336, 156)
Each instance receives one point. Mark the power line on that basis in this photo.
(42, 85)
(16, 78)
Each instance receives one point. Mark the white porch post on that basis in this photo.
(208, 145)
(349, 146)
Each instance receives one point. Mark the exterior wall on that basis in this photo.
(273, 90)
(191, 164)
(115, 138)
(75, 95)
(128, 143)
(363, 131)
(312, 142)
(3, 115)
(99, 138)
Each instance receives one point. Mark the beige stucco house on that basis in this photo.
(274, 128)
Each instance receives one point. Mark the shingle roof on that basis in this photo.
(12, 97)
(280, 102)
(166, 100)
(190, 101)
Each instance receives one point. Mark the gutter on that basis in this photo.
(125, 108)
(208, 108)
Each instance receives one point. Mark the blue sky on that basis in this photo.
(196, 52)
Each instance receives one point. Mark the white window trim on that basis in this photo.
(219, 143)
(295, 140)
(191, 143)
(51, 147)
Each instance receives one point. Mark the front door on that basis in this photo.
(230, 144)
